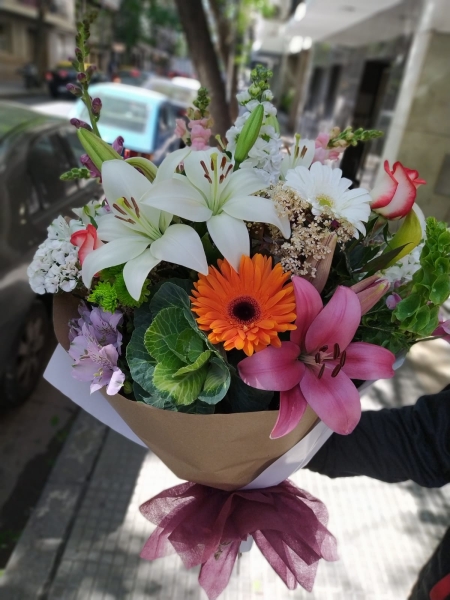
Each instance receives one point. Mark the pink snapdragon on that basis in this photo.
(180, 128)
(200, 133)
(318, 363)
(324, 153)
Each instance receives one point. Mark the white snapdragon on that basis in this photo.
(55, 263)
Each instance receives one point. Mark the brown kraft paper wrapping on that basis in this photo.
(222, 451)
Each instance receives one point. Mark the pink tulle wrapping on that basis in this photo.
(205, 526)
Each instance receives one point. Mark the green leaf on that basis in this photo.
(217, 382)
(142, 316)
(440, 290)
(442, 266)
(198, 364)
(171, 295)
(153, 400)
(380, 262)
(407, 307)
(182, 390)
(444, 241)
(196, 347)
(161, 337)
(190, 345)
(140, 363)
(244, 398)
(422, 318)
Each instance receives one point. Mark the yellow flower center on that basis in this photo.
(325, 200)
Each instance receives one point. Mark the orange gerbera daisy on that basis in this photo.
(245, 310)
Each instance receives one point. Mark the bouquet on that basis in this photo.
(229, 303)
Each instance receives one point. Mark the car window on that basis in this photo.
(75, 147)
(123, 114)
(163, 119)
(46, 161)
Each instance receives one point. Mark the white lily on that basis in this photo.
(138, 235)
(301, 154)
(212, 192)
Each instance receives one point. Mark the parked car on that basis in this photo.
(182, 91)
(34, 150)
(131, 76)
(64, 73)
(145, 119)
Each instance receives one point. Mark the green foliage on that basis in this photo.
(202, 101)
(171, 359)
(348, 137)
(430, 288)
(75, 173)
(260, 82)
(111, 291)
(378, 327)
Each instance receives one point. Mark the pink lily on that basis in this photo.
(443, 329)
(395, 195)
(318, 363)
(370, 291)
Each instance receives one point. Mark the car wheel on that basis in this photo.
(24, 369)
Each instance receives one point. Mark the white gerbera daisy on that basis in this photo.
(327, 192)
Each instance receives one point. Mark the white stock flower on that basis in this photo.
(327, 192)
(404, 269)
(55, 263)
(213, 193)
(265, 155)
(138, 235)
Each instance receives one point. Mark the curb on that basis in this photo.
(35, 559)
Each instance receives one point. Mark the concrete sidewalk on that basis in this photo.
(84, 538)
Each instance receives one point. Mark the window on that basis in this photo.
(5, 38)
(123, 114)
(46, 162)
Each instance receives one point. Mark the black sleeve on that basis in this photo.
(394, 445)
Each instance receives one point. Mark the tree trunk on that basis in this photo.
(223, 31)
(193, 20)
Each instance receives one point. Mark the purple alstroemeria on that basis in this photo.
(392, 300)
(95, 363)
(102, 326)
(87, 162)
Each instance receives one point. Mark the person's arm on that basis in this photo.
(394, 445)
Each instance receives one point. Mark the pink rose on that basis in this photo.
(395, 195)
(86, 240)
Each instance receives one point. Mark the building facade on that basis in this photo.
(18, 33)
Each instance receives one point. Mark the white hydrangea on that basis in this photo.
(55, 264)
(404, 269)
(265, 156)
